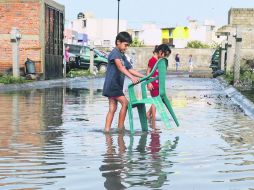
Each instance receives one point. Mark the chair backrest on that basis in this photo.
(162, 67)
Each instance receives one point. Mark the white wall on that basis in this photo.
(77, 25)
(180, 43)
(150, 35)
(99, 30)
(198, 33)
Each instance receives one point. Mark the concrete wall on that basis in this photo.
(241, 24)
(201, 57)
(241, 16)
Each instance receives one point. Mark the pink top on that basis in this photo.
(66, 55)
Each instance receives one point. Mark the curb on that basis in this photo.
(43, 84)
(238, 98)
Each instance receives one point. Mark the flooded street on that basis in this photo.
(53, 139)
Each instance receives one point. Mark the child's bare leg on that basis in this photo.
(153, 111)
(149, 113)
(111, 113)
(122, 114)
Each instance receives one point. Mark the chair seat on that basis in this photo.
(143, 101)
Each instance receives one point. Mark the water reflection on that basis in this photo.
(29, 145)
(146, 165)
(52, 139)
(113, 163)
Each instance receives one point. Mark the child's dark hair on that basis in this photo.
(123, 37)
(164, 48)
(155, 47)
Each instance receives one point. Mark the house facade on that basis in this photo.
(41, 25)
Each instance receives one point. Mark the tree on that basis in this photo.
(136, 43)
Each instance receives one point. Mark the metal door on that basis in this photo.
(54, 26)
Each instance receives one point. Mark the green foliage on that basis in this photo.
(78, 73)
(246, 77)
(229, 77)
(214, 45)
(197, 44)
(8, 79)
(136, 43)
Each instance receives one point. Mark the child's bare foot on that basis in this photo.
(121, 129)
(106, 130)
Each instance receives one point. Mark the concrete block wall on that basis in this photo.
(241, 16)
(25, 15)
(201, 57)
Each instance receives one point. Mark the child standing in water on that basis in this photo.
(161, 51)
(118, 67)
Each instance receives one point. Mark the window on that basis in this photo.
(106, 43)
(85, 51)
(136, 33)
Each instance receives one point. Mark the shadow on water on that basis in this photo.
(143, 165)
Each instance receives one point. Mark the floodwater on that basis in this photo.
(53, 139)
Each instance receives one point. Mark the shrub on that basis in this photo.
(78, 73)
(136, 43)
(229, 77)
(197, 44)
(8, 79)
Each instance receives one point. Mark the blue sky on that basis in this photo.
(161, 12)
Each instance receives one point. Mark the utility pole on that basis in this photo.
(118, 8)
(91, 57)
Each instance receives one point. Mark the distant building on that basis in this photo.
(102, 32)
(179, 36)
(240, 26)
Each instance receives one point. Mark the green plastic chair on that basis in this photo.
(161, 102)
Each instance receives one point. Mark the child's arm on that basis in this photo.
(148, 70)
(136, 73)
(122, 69)
(149, 85)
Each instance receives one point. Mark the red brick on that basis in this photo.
(26, 17)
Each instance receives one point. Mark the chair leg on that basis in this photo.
(170, 109)
(161, 109)
(130, 117)
(142, 116)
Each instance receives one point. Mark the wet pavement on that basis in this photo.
(53, 139)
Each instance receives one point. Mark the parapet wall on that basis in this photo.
(201, 57)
